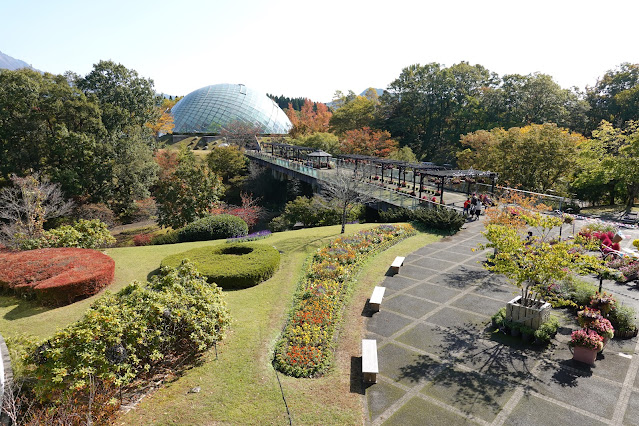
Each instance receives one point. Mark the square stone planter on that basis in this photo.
(530, 317)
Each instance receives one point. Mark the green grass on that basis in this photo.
(241, 387)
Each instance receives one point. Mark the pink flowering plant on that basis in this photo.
(587, 316)
(585, 338)
(604, 302)
(602, 327)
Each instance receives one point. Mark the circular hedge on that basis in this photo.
(56, 276)
(213, 227)
(231, 266)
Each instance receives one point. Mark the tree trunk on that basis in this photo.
(632, 194)
(343, 219)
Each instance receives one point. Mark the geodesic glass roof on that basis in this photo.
(211, 108)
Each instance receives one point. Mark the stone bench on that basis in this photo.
(376, 298)
(399, 261)
(369, 360)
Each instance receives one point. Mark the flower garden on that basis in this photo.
(306, 345)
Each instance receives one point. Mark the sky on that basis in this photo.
(300, 48)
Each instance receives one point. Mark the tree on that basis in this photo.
(227, 162)
(536, 157)
(186, 193)
(312, 118)
(320, 140)
(365, 141)
(125, 98)
(27, 205)
(346, 188)
(354, 113)
(241, 133)
(163, 119)
(404, 154)
(615, 96)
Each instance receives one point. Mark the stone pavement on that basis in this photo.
(441, 363)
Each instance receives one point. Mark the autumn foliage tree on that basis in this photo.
(312, 118)
(163, 119)
(366, 141)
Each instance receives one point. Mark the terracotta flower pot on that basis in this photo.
(585, 355)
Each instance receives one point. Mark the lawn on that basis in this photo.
(240, 387)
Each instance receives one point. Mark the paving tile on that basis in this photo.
(397, 282)
(417, 272)
(507, 363)
(434, 263)
(574, 384)
(408, 305)
(632, 412)
(478, 304)
(419, 412)
(433, 292)
(470, 392)
(386, 323)
(461, 249)
(534, 411)
(495, 288)
(433, 339)
(405, 366)
(380, 397)
(455, 319)
(427, 250)
(450, 256)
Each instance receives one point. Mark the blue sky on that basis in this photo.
(312, 49)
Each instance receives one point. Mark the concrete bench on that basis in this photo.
(399, 261)
(376, 298)
(369, 360)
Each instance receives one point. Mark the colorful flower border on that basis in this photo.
(305, 347)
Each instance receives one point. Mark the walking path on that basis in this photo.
(440, 362)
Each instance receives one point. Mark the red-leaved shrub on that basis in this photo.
(142, 239)
(56, 276)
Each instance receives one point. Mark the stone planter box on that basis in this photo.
(531, 317)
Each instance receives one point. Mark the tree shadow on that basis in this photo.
(567, 372)
(153, 273)
(23, 308)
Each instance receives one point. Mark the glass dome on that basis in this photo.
(211, 108)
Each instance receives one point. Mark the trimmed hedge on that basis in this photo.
(213, 228)
(435, 218)
(56, 276)
(231, 266)
(171, 237)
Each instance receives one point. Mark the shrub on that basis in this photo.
(393, 215)
(439, 218)
(231, 266)
(213, 228)
(498, 318)
(142, 239)
(124, 335)
(582, 292)
(623, 318)
(56, 276)
(90, 234)
(313, 212)
(95, 211)
(171, 237)
(547, 330)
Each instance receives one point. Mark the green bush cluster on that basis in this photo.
(213, 227)
(90, 234)
(313, 212)
(171, 237)
(547, 330)
(434, 218)
(126, 334)
(231, 266)
(623, 318)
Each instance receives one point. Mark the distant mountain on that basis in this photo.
(9, 63)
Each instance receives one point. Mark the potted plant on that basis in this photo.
(497, 319)
(527, 333)
(604, 328)
(588, 316)
(623, 320)
(604, 302)
(585, 345)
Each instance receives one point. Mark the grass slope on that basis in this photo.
(240, 387)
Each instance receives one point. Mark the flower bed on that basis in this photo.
(56, 276)
(305, 347)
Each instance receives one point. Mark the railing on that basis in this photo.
(380, 193)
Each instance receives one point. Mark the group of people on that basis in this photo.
(472, 206)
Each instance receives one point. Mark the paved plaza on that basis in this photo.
(441, 363)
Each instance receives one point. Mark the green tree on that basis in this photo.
(354, 113)
(227, 162)
(404, 154)
(615, 97)
(536, 157)
(186, 193)
(320, 140)
(125, 98)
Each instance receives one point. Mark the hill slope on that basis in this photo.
(10, 63)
